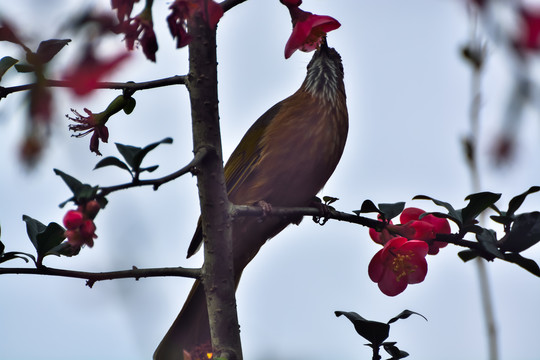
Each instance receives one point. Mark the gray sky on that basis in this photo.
(408, 98)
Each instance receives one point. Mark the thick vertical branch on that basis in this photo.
(217, 272)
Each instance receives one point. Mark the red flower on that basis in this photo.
(383, 236)
(425, 229)
(308, 29)
(73, 219)
(184, 10)
(90, 70)
(399, 263)
(92, 123)
(414, 228)
(81, 229)
(529, 33)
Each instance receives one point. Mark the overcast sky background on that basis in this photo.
(408, 97)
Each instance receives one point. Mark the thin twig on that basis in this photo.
(92, 277)
(156, 183)
(132, 86)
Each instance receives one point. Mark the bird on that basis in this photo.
(284, 159)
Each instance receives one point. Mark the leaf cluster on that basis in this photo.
(377, 332)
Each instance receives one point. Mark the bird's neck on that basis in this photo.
(324, 79)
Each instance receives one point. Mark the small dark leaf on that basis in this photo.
(403, 315)
(477, 204)
(524, 233)
(128, 152)
(80, 191)
(488, 239)
(373, 331)
(24, 68)
(5, 64)
(16, 255)
(367, 207)
(329, 200)
(528, 264)
(112, 161)
(73, 184)
(64, 249)
(130, 105)
(141, 154)
(517, 201)
(149, 169)
(390, 211)
(393, 350)
(467, 255)
(502, 219)
(453, 214)
(49, 48)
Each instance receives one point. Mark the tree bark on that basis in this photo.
(217, 272)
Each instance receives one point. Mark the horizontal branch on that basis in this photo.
(93, 277)
(326, 213)
(156, 183)
(130, 85)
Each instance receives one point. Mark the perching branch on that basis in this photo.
(92, 277)
(200, 154)
(131, 86)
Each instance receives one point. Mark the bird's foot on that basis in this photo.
(323, 208)
(266, 207)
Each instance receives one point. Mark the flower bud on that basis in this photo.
(73, 219)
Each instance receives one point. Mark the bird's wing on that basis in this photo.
(244, 158)
(240, 165)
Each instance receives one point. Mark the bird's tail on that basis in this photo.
(190, 331)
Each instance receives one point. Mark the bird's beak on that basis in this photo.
(324, 45)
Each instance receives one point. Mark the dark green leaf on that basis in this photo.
(528, 264)
(373, 331)
(453, 214)
(477, 204)
(130, 105)
(24, 68)
(524, 233)
(73, 184)
(367, 207)
(139, 156)
(33, 228)
(112, 161)
(128, 152)
(49, 48)
(516, 202)
(64, 249)
(488, 239)
(403, 315)
(329, 200)
(5, 64)
(502, 219)
(51, 237)
(467, 255)
(80, 191)
(390, 211)
(44, 238)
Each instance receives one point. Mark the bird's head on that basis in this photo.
(324, 77)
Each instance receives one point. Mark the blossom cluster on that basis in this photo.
(402, 260)
(80, 226)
